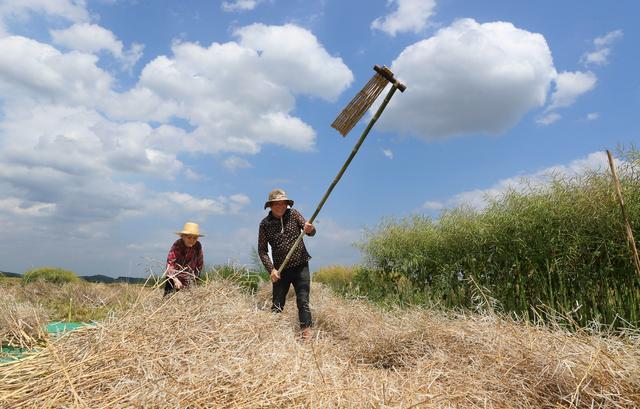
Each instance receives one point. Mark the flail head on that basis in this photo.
(364, 99)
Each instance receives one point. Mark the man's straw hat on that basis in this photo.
(277, 195)
(191, 229)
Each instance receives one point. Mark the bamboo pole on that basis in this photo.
(632, 242)
(373, 120)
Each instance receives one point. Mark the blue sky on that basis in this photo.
(121, 119)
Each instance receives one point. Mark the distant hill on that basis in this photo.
(97, 278)
(100, 278)
(8, 274)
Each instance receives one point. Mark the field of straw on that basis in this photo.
(216, 346)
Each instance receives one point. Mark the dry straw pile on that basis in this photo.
(21, 322)
(216, 346)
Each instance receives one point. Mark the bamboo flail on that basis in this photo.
(359, 104)
(373, 120)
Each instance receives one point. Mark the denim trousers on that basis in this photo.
(300, 277)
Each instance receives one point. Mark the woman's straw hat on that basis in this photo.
(191, 229)
(277, 195)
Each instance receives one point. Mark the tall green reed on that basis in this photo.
(559, 245)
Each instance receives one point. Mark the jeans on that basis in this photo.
(300, 277)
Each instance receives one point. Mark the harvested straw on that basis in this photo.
(21, 322)
(359, 104)
(211, 347)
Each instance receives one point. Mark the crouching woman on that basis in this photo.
(185, 259)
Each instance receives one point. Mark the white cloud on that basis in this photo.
(480, 198)
(469, 78)
(548, 118)
(237, 96)
(74, 151)
(192, 175)
(600, 56)
(234, 163)
(17, 207)
(432, 205)
(280, 48)
(92, 38)
(218, 206)
(30, 69)
(89, 38)
(410, 15)
(388, 153)
(592, 116)
(569, 86)
(20, 10)
(240, 5)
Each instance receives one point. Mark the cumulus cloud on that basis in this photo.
(218, 206)
(238, 95)
(602, 52)
(469, 78)
(30, 69)
(240, 5)
(18, 207)
(432, 205)
(480, 198)
(92, 38)
(548, 118)
(410, 15)
(20, 11)
(569, 86)
(318, 73)
(74, 151)
(234, 163)
(388, 153)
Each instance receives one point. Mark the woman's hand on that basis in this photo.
(309, 228)
(274, 275)
(177, 283)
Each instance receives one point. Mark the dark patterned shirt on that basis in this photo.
(185, 263)
(281, 234)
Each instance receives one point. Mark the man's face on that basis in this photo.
(189, 239)
(278, 208)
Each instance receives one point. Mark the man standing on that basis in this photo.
(280, 229)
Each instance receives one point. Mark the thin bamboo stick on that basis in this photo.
(632, 242)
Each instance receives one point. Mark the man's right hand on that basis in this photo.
(177, 283)
(274, 275)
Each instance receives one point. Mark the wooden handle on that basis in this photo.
(386, 72)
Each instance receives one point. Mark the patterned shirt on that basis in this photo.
(185, 263)
(281, 234)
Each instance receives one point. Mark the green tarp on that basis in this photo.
(57, 328)
(9, 354)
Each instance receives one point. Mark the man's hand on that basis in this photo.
(309, 228)
(274, 275)
(177, 283)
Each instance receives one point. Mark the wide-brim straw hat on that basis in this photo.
(191, 229)
(277, 195)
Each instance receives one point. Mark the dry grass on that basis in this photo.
(21, 322)
(215, 346)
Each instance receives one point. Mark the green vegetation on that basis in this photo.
(561, 246)
(49, 275)
(239, 274)
(339, 278)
